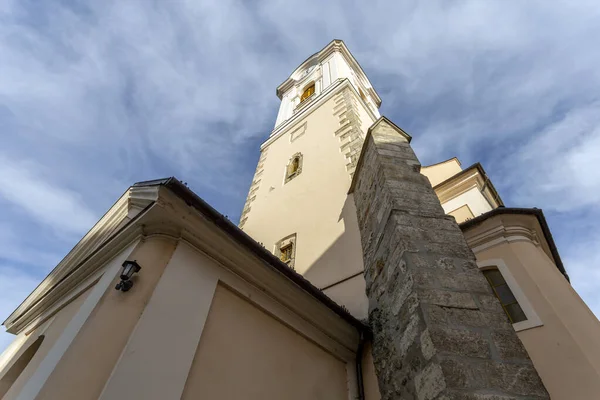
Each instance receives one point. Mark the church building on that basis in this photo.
(354, 273)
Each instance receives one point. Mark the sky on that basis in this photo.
(95, 96)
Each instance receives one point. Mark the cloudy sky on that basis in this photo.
(97, 95)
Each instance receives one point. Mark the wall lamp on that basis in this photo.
(129, 268)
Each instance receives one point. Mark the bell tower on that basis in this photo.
(298, 205)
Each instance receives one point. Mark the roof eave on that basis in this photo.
(538, 213)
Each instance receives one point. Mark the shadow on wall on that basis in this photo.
(344, 257)
(19, 366)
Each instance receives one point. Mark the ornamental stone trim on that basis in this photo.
(291, 175)
(253, 187)
(438, 331)
(350, 134)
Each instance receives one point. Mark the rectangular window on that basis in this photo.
(285, 250)
(505, 295)
(286, 253)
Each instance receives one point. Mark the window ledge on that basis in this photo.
(304, 102)
(527, 324)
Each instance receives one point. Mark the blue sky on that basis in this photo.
(95, 96)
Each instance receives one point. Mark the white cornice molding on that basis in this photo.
(503, 233)
(61, 279)
(333, 47)
(323, 97)
(170, 217)
(455, 187)
(41, 305)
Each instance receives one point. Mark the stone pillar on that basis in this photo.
(439, 333)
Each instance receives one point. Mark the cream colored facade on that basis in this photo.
(314, 206)
(327, 130)
(213, 314)
(208, 308)
(561, 334)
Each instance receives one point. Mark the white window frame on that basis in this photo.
(533, 320)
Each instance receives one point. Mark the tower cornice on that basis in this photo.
(320, 99)
(335, 45)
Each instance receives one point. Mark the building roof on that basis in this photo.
(477, 166)
(68, 268)
(522, 211)
(193, 200)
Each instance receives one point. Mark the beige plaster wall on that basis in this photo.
(438, 173)
(473, 198)
(462, 213)
(314, 205)
(51, 330)
(85, 367)
(155, 364)
(245, 353)
(371, 386)
(566, 349)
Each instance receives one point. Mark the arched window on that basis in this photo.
(308, 91)
(19, 366)
(294, 167)
(507, 299)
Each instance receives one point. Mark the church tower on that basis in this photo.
(298, 205)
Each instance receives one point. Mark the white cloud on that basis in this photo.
(94, 96)
(15, 286)
(561, 163)
(48, 204)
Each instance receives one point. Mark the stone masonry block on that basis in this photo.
(460, 341)
(489, 302)
(447, 298)
(463, 374)
(454, 316)
(508, 345)
(430, 382)
(473, 281)
(477, 395)
(427, 347)
(516, 379)
(437, 334)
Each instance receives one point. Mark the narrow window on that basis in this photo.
(286, 253)
(307, 92)
(508, 301)
(294, 167)
(285, 250)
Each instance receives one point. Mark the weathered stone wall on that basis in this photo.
(439, 333)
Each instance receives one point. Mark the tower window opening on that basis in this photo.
(509, 303)
(285, 250)
(308, 91)
(286, 253)
(294, 167)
